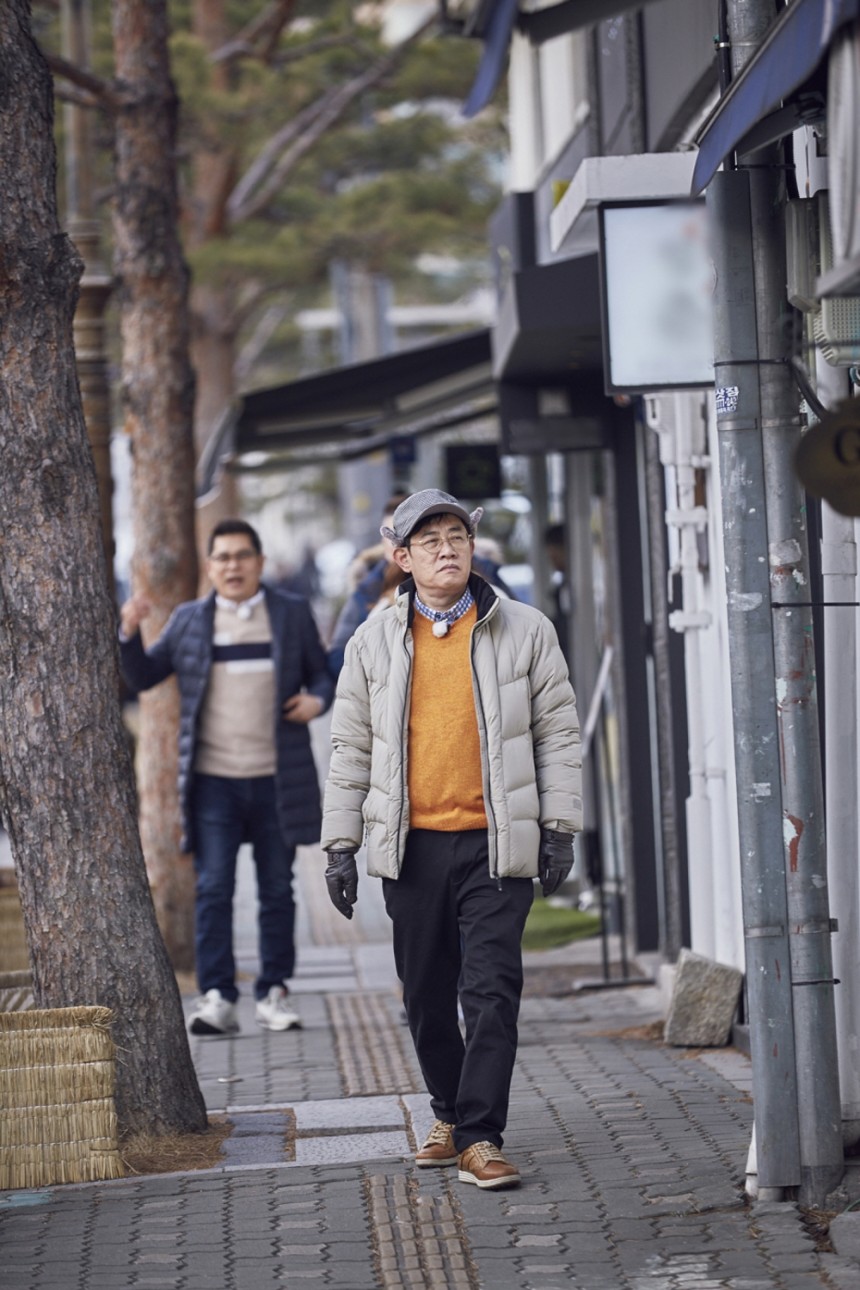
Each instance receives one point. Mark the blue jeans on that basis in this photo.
(225, 813)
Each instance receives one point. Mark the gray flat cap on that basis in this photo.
(430, 501)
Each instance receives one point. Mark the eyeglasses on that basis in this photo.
(433, 545)
(227, 557)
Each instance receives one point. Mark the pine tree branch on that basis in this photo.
(265, 328)
(78, 98)
(313, 122)
(265, 159)
(101, 93)
(288, 56)
(271, 34)
(260, 38)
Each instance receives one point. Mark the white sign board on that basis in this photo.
(658, 286)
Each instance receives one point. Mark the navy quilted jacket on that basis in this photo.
(185, 648)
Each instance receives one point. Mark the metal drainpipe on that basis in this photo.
(753, 685)
(768, 582)
(841, 643)
(690, 519)
(583, 642)
(813, 1003)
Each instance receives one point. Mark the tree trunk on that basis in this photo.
(214, 325)
(171, 874)
(213, 349)
(158, 390)
(67, 789)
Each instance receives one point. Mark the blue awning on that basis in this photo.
(539, 25)
(788, 56)
(494, 57)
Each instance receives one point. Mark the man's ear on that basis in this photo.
(401, 557)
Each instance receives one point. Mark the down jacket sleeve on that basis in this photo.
(555, 734)
(144, 668)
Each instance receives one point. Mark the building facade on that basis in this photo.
(611, 106)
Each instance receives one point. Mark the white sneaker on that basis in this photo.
(273, 1012)
(213, 1015)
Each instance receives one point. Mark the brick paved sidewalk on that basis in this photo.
(632, 1155)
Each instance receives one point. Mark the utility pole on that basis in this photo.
(774, 701)
(83, 228)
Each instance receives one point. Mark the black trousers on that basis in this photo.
(457, 931)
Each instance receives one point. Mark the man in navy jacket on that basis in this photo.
(252, 674)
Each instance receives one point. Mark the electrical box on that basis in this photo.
(802, 252)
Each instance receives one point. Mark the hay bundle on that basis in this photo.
(13, 939)
(57, 1114)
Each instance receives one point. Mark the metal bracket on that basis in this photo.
(697, 516)
(681, 621)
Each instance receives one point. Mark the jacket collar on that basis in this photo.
(485, 598)
(275, 605)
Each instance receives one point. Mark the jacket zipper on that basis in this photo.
(403, 746)
(491, 821)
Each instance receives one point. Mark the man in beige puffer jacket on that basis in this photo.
(456, 758)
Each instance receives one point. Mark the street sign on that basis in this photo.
(827, 460)
(402, 449)
(473, 471)
(657, 288)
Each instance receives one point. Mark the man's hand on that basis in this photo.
(555, 859)
(132, 614)
(302, 708)
(341, 878)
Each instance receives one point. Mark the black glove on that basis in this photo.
(555, 859)
(341, 878)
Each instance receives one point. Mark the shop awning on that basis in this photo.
(497, 38)
(762, 103)
(539, 25)
(353, 410)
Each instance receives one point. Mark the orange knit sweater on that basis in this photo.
(445, 783)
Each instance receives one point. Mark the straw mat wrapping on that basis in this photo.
(51, 1085)
(57, 1114)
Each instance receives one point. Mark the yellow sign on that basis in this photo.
(827, 460)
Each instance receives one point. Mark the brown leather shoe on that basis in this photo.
(484, 1165)
(439, 1148)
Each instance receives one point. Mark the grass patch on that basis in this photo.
(550, 925)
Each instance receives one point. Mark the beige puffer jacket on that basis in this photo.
(527, 724)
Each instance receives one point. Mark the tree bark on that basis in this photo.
(215, 325)
(214, 343)
(67, 790)
(158, 394)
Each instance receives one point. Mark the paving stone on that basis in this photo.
(619, 1142)
(526, 1240)
(349, 1113)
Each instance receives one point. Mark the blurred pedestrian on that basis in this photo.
(456, 755)
(252, 674)
(373, 572)
(555, 542)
